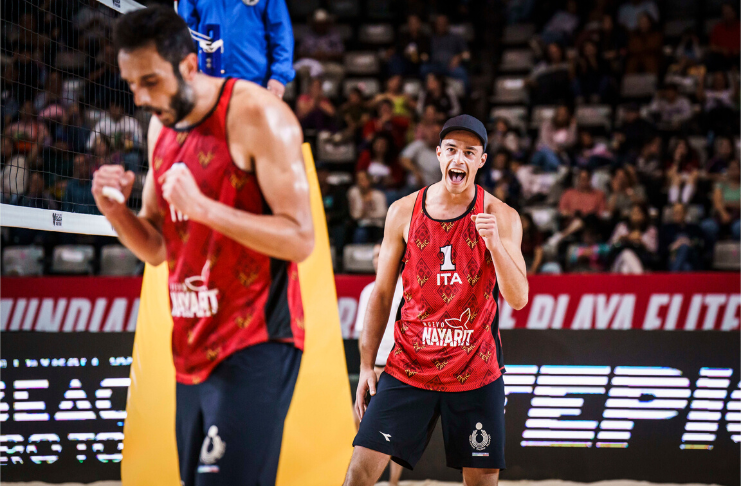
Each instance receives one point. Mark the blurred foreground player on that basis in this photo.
(226, 204)
(457, 247)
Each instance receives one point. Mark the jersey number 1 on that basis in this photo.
(447, 264)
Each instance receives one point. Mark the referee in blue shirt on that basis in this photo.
(257, 35)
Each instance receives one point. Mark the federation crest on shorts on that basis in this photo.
(474, 438)
(218, 446)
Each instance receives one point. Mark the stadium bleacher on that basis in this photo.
(508, 67)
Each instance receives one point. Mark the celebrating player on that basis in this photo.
(457, 247)
(226, 205)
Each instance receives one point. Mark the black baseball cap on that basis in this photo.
(467, 123)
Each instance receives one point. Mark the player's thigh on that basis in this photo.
(243, 412)
(473, 427)
(399, 420)
(188, 431)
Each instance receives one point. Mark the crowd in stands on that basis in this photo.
(614, 125)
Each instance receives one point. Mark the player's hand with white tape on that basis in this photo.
(111, 188)
(181, 191)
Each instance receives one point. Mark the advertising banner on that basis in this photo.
(661, 301)
(581, 406)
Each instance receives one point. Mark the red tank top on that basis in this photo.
(224, 296)
(447, 330)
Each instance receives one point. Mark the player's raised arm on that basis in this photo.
(379, 304)
(141, 234)
(501, 229)
(274, 138)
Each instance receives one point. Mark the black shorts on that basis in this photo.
(400, 419)
(230, 427)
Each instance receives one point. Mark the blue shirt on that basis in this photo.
(257, 34)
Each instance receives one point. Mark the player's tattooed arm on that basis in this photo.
(141, 234)
(379, 304)
(501, 229)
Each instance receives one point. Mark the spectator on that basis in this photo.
(323, 44)
(688, 55)
(532, 244)
(37, 195)
(551, 79)
(612, 43)
(314, 110)
(52, 93)
(583, 200)
(681, 243)
(500, 178)
(27, 131)
(73, 130)
(104, 80)
(117, 127)
(367, 208)
(720, 106)
(724, 40)
(590, 254)
(593, 81)
(726, 199)
(562, 25)
(26, 72)
(78, 196)
(439, 95)
(629, 14)
(411, 50)
(354, 114)
(634, 243)
(448, 51)
(557, 135)
(263, 56)
(682, 172)
(496, 136)
(625, 192)
(419, 158)
(724, 154)
(648, 167)
(382, 167)
(403, 103)
(336, 208)
(645, 47)
(670, 109)
(15, 179)
(592, 154)
(636, 129)
(386, 121)
(430, 118)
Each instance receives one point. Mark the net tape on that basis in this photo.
(73, 217)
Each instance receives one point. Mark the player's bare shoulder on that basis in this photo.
(257, 120)
(400, 215)
(507, 216)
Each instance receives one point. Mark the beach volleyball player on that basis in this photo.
(457, 247)
(226, 205)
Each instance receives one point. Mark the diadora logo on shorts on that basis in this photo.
(479, 445)
(448, 275)
(212, 450)
(193, 297)
(386, 436)
(453, 331)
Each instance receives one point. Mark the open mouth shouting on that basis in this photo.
(456, 176)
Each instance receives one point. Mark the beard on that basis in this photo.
(181, 103)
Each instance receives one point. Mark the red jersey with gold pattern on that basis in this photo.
(224, 296)
(447, 330)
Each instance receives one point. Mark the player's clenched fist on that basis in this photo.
(486, 225)
(115, 177)
(181, 190)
